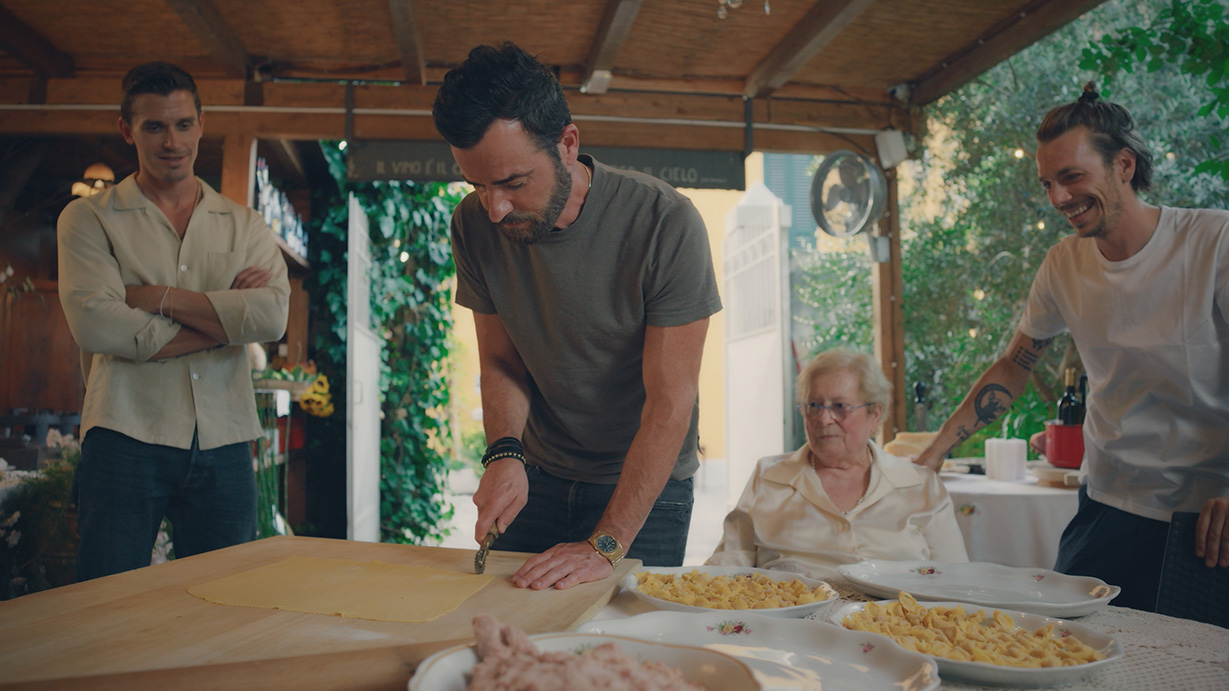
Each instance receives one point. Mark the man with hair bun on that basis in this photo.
(1144, 291)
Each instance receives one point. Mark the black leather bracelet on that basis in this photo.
(504, 447)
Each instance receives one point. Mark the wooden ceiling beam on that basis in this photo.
(851, 116)
(315, 125)
(624, 104)
(611, 34)
(218, 38)
(85, 95)
(1004, 39)
(288, 151)
(823, 22)
(57, 122)
(291, 101)
(667, 96)
(570, 78)
(31, 49)
(405, 30)
(795, 142)
(106, 90)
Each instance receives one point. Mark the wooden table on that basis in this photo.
(141, 629)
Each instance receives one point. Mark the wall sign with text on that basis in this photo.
(431, 161)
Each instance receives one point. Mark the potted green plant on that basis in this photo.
(40, 523)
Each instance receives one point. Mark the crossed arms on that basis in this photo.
(114, 310)
(200, 326)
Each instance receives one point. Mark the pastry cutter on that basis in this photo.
(480, 557)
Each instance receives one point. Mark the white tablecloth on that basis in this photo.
(1012, 523)
(1160, 652)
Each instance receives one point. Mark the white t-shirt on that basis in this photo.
(1153, 333)
(785, 520)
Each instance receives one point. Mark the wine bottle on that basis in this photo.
(1069, 404)
(1083, 398)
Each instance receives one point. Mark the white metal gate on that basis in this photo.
(363, 388)
(758, 358)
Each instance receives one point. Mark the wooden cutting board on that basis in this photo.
(145, 627)
(1050, 476)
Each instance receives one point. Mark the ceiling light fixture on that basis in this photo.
(724, 7)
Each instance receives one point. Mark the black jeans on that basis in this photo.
(1120, 548)
(124, 487)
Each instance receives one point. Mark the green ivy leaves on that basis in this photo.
(411, 305)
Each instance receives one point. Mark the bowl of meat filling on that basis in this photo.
(507, 659)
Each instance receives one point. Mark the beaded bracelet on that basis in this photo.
(505, 447)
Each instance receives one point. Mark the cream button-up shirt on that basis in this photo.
(785, 520)
(119, 238)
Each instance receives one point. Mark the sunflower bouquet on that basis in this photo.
(317, 400)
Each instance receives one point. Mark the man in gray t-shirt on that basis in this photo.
(591, 290)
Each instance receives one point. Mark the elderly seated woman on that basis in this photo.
(840, 498)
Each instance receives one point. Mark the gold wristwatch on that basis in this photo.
(607, 545)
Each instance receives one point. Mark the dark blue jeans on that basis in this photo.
(1120, 548)
(124, 487)
(561, 510)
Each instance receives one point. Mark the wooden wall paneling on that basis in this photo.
(40, 364)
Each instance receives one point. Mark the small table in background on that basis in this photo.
(37, 424)
(1013, 523)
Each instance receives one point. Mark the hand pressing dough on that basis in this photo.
(358, 590)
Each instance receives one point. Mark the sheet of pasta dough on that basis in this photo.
(355, 589)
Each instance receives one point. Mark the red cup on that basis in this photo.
(1064, 444)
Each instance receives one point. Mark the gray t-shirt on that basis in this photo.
(576, 304)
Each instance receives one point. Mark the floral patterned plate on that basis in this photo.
(1001, 675)
(1039, 591)
(786, 653)
(797, 611)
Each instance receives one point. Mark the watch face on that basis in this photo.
(606, 544)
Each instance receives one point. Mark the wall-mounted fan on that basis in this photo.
(847, 197)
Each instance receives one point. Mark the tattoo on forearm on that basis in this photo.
(962, 435)
(1024, 358)
(991, 402)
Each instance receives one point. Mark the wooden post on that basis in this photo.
(296, 325)
(239, 168)
(889, 316)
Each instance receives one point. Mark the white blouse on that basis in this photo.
(785, 520)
